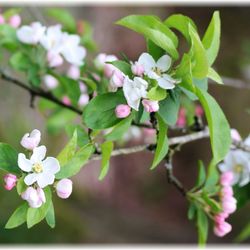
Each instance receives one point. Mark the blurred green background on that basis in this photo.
(132, 204)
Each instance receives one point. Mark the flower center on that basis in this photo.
(238, 168)
(37, 168)
(157, 71)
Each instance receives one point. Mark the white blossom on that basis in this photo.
(39, 170)
(157, 70)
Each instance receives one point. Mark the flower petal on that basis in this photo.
(147, 61)
(51, 165)
(24, 163)
(30, 179)
(164, 63)
(38, 154)
(45, 179)
(166, 82)
(244, 179)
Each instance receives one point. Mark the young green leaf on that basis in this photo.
(123, 67)
(106, 148)
(180, 23)
(64, 17)
(8, 159)
(156, 93)
(191, 211)
(169, 109)
(212, 74)
(218, 126)
(120, 129)
(50, 216)
(153, 29)
(202, 225)
(213, 204)
(21, 186)
(73, 166)
(162, 143)
(103, 107)
(198, 55)
(18, 217)
(155, 51)
(201, 174)
(19, 61)
(68, 151)
(35, 215)
(211, 39)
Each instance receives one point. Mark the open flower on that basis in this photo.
(32, 140)
(134, 90)
(31, 34)
(156, 70)
(238, 163)
(40, 170)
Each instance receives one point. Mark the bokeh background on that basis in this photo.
(132, 204)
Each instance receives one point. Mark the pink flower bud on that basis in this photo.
(35, 197)
(64, 188)
(150, 106)
(181, 121)
(83, 87)
(117, 79)
(235, 135)
(226, 178)
(227, 191)
(66, 100)
(2, 20)
(10, 181)
(229, 205)
(221, 229)
(122, 111)
(199, 110)
(101, 59)
(31, 141)
(15, 21)
(109, 70)
(83, 100)
(137, 69)
(54, 59)
(50, 81)
(73, 72)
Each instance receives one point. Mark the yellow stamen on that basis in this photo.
(37, 168)
(238, 168)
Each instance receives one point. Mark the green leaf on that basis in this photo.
(64, 17)
(180, 23)
(103, 106)
(156, 93)
(122, 66)
(162, 143)
(74, 165)
(8, 38)
(68, 151)
(35, 215)
(155, 51)
(8, 159)
(184, 72)
(218, 126)
(169, 109)
(213, 204)
(20, 61)
(21, 186)
(120, 129)
(82, 135)
(34, 75)
(198, 55)
(212, 74)
(211, 39)
(191, 211)
(202, 225)
(50, 216)
(244, 234)
(153, 29)
(11, 12)
(201, 175)
(90, 83)
(106, 148)
(18, 217)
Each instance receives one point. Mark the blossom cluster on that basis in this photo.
(38, 172)
(147, 73)
(60, 47)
